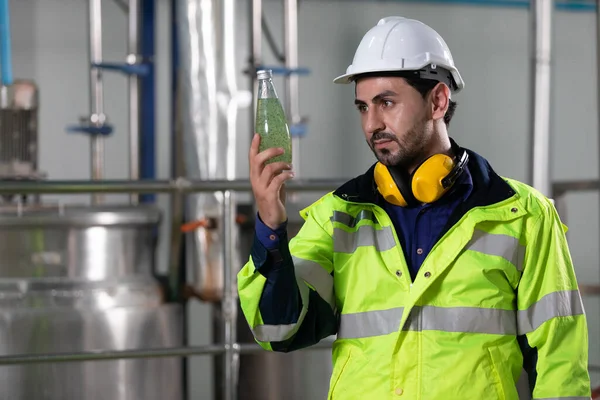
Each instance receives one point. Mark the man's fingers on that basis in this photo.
(254, 146)
(254, 172)
(272, 170)
(280, 179)
(266, 155)
(259, 172)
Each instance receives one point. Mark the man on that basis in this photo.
(441, 279)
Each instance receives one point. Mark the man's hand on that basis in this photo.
(268, 183)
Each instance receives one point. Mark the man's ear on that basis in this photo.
(439, 100)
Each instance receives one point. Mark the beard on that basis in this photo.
(411, 149)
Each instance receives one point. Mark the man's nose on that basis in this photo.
(374, 123)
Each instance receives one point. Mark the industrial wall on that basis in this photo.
(490, 46)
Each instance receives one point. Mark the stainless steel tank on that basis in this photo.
(74, 242)
(81, 279)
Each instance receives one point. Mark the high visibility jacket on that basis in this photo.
(496, 293)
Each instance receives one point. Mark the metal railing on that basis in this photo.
(211, 349)
(179, 185)
(230, 349)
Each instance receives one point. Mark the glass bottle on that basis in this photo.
(271, 122)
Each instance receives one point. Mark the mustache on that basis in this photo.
(383, 136)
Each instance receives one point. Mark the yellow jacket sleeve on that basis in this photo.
(551, 322)
(286, 293)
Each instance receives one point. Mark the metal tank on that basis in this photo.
(79, 278)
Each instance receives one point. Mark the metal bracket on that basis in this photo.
(285, 71)
(102, 130)
(141, 69)
(298, 130)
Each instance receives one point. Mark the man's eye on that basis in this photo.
(361, 108)
(387, 103)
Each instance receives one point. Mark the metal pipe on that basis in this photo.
(134, 94)
(583, 185)
(177, 166)
(256, 55)
(97, 116)
(249, 348)
(541, 30)
(229, 50)
(564, 5)
(598, 80)
(147, 92)
(228, 304)
(212, 349)
(5, 54)
(5, 45)
(111, 355)
(179, 185)
(291, 62)
(589, 290)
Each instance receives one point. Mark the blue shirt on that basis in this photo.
(418, 228)
(267, 236)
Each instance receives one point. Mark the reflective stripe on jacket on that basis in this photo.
(496, 293)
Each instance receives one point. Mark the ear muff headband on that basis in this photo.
(463, 159)
(430, 180)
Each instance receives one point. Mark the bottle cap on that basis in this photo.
(264, 74)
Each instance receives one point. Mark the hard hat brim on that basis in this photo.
(349, 78)
(344, 79)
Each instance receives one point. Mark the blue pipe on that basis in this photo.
(148, 97)
(5, 51)
(560, 5)
(129, 69)
(565, 5)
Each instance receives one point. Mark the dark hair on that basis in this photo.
(423, 86)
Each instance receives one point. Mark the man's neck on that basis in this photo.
(440, 144)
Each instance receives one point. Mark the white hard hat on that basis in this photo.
(402, 44)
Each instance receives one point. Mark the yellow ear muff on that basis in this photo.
(387, 186)
(426, 182)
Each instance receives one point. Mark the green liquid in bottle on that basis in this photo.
(271, 125)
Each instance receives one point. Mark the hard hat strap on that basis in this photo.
(436, 73)
(429, 72)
